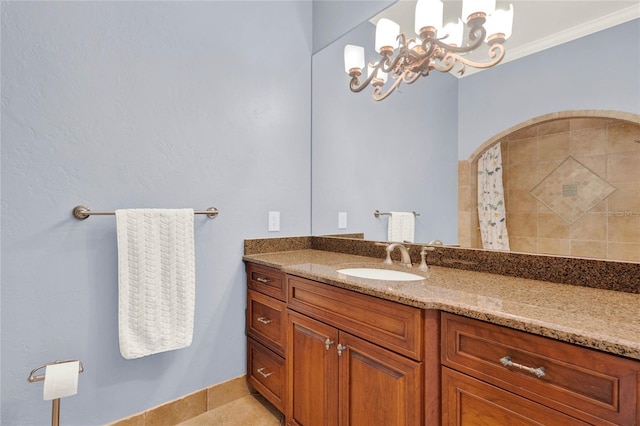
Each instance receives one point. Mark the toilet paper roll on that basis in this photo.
(61, 380)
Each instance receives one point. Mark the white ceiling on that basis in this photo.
(537, 24)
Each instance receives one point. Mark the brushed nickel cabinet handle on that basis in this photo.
(341, 349)
(264, 320)
(328, 343)
(538, 372)
(263, 280)
(261, 371)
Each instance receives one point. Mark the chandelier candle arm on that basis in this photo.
(377, 93)
(355, 73)
(377, 75)
(477, 34)
(447, 63)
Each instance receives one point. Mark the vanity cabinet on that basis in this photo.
(498, 375)
(329, 356)
(352, 359)
(266, 333)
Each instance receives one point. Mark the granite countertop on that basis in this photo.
(602, 319)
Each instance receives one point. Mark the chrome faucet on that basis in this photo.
(404, 254)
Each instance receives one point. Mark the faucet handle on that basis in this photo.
(425, 249)
(423, 257)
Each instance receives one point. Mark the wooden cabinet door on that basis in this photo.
(312, 372)
(377, 386)
(472, 402)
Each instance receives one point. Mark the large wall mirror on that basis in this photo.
(415, 150)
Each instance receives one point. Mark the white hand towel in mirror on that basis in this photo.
(401, 227)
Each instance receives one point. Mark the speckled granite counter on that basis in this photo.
(601, 319)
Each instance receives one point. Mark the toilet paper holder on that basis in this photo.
(55, 403)
(33, 378)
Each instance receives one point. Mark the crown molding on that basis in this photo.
(602, 23)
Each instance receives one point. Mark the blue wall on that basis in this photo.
(600, 71)
(141, 104)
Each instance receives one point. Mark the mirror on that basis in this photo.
(403, 153)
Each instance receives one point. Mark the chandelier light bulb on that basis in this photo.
(386, 34)
(454, 32)
(470, 7)
(428, 14)
(500, 22)
(353, 57)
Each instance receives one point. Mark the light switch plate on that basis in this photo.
(342, 220)
(274, 221)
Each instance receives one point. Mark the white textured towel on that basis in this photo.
(401, 227)
(156, 280)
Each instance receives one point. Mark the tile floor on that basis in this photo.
(251, 410)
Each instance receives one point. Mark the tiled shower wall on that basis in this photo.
(604, 152)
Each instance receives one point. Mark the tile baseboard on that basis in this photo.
(189, 406)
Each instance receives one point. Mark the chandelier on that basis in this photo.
(418, 56)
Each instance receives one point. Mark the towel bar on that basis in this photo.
(378, 213)
(83, 212)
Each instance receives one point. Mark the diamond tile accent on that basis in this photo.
(571, 190)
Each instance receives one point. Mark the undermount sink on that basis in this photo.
(380, 274)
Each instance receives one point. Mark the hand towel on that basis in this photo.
(156, 280)
(401, 227)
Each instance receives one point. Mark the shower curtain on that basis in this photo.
(491, 208)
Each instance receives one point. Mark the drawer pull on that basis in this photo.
(341, 349)
(328, 343)
(506, 361)
(261, 371)
(263, 280)
(264, 320)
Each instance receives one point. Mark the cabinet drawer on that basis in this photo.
(266, 280)
(392, 325)
(266, 372)
(584, 383)
(266, 320)
(468, 401)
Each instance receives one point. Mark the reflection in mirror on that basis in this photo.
(403, 154)
(396, 155)
(571, 186)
